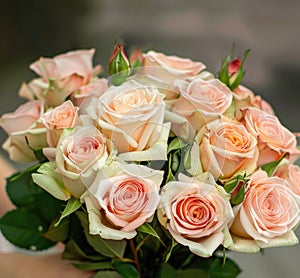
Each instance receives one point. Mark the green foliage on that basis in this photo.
(236, 187)
(270, 167)
(24, 228)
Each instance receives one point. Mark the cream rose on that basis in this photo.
(200, 102)
(226, 147)
(195, 212)
(60, 76)
(21, 125)
(273, 138)
(56, 120)
(169, 68)
(131, 115)
(80, 153)
(119, 203)
(267, 215)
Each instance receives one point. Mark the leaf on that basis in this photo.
(107, 274)
(74, 252)
(106, 247)
(20, 187)
(167, 271)
(25, 229)
(195, 272)
(38, 153)
(60, 232)
(271, 166)
(93, 265)
(127, 270)
(72, 205)
(148, 229)
(175, 144)
(218, 270)
(174, 244)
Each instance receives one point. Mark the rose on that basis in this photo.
(122, 200)
(267, 215)
(291, 173)
(169, 68)
(200, 102)
(23, 117)
(226, 147)
(25, 131)
(56, 120)
(61, 76)
(195, 212)
(244, 98)
(86, 93)
(274, 139)
(79, 154)
(131, 115)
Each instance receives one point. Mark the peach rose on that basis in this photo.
(226, 147)
(61, 76)
(244, 97)
(169, 68)
(195, 212)
(119, 203)
(273, 138)
(56, 120)
(201, 102)
(24, 124)
(80, 153)
(291, 173)
(267, 215)
(131, 115)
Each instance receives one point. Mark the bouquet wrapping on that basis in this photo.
(158, 170)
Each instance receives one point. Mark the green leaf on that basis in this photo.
(175, 144)
(174, 244)
(58, 233)
(74, 252)
(218, 270)
(106, 247)
(25, 229)
(93, 265)
(195, 272)
(167, 271)
(125, 269)
(271, 166)
(107, 274)
(72, 205)
(148, 229)
(38, 153)
(20, 187)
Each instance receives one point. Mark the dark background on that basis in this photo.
(201, 30)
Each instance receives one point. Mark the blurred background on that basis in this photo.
(202, 30)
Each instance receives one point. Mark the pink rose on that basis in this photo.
(273, 139)
(169, 68)
(56, 120)
(21, 125)
(62, 75)
(86, 93)
(267, 215)
(131, 115)
(79, 154)
(226, 147)
(123, 201)
(291, 173)
(195, 212)
(201, 102)
(23, 118)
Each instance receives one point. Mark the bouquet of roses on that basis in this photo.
(155, 171)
